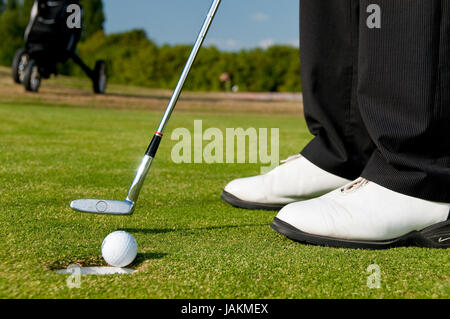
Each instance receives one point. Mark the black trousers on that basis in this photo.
(377, 97)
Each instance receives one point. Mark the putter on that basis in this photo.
(126, 207)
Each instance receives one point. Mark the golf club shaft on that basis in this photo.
(187, 68)
(138, 181)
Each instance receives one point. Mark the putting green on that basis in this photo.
(191, 244)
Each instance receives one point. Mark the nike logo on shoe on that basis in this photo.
(441, 240)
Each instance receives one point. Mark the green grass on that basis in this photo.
(191, 244)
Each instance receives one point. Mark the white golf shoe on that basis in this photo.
(297, 179)
(366, 215)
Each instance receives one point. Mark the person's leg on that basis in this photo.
(329, 60)
(404, 97)
(404, 73)
(329, 43)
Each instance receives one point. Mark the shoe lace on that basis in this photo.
(291, 158)
(355, 185)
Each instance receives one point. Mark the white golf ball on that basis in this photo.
(119, 249)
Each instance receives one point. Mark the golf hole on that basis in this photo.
(100, 271)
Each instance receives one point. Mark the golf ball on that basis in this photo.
(119, 249)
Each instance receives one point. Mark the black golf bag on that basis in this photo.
(50, 40)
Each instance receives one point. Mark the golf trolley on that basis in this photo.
(49, 41)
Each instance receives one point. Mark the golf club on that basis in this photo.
(126, 207)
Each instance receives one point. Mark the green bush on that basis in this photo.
(134, 59)
(14, 15)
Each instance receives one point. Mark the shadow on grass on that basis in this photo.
(188, 230)
(143, 257)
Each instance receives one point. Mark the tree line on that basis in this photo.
(133, 58)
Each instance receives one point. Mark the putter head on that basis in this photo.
(103, 206)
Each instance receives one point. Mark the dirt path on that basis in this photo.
(76, 92)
